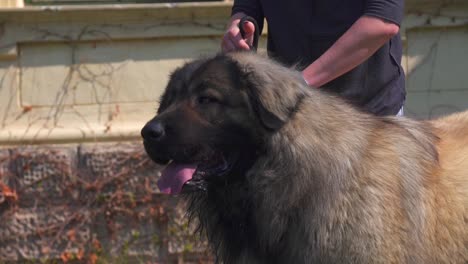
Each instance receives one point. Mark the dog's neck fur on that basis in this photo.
(229, 222)
(332, 129)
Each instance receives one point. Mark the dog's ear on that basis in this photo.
(275, 92)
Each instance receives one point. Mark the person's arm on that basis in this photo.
(232, 39)
(379, 23)
(356, 45)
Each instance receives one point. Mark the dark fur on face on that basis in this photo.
(309, 179)
(204, 120)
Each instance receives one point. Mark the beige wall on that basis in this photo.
(11, 3)
(92, 73)
(436, 34)
(85, 73)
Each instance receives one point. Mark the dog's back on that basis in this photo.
(453, 153)
(452, 192)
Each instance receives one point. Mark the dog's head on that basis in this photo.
(214, 117)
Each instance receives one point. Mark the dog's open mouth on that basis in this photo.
(177, 174)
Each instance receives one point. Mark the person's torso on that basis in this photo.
(300, 31)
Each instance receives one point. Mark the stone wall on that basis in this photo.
(71, 79)
(89, 203)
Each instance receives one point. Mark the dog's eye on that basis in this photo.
(207, 100)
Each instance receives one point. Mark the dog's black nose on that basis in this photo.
(153, 131)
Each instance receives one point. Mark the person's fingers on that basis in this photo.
(249, 29)
(241, 44)
(227, 45)
(232, 40)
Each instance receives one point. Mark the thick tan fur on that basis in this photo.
(402, 192)
(330, 184)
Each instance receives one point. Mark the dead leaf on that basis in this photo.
(66, 256)
(27, 108)
(71, 234)
(7, 194)
(93, 258)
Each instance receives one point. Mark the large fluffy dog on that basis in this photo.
(277, 172)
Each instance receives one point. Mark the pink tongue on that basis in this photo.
(174, 176)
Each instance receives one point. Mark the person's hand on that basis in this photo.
(232, 39)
